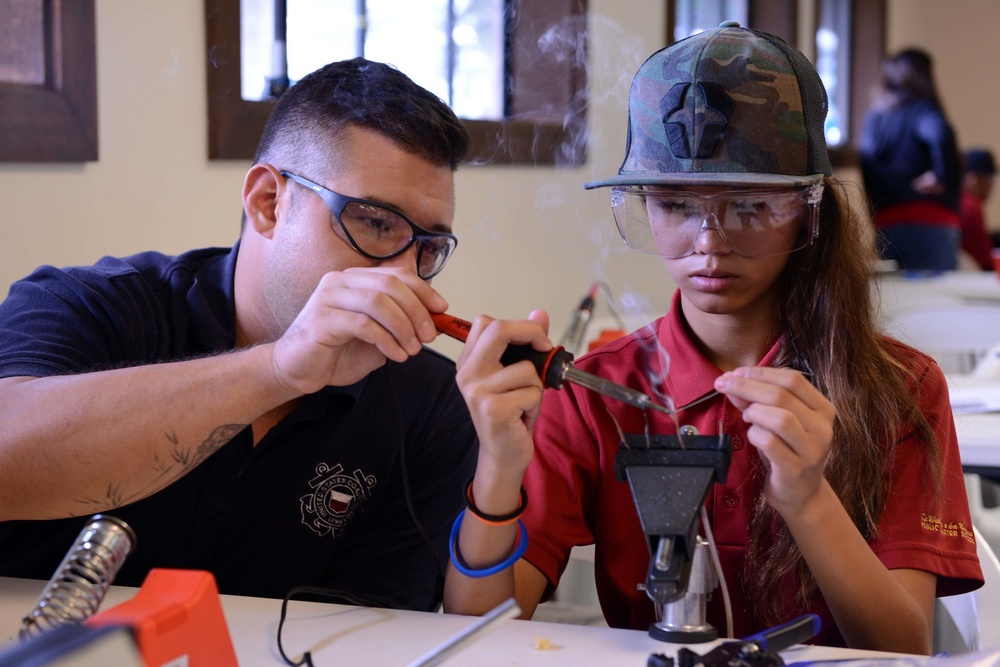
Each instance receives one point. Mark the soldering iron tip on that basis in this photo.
(665, 410)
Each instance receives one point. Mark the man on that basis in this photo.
(977, 185)
(266, 412)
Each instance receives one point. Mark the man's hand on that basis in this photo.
(352, 323)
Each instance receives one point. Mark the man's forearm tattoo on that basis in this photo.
(181, 460)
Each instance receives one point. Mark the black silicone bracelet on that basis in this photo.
(505, 518)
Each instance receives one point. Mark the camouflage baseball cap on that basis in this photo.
(728, 106)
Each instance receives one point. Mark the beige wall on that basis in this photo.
(529, 237)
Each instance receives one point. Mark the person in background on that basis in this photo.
(977, 185)
(911, 167)
(845, 495)
(266, 412)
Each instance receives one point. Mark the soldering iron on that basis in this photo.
(555, 367)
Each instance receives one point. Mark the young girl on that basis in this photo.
(845, 495)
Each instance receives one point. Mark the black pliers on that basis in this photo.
(759, 650)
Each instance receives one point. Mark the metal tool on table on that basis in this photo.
(759, 650)
(555, 367)
(506, 610)
(79, 584)
(670, 477)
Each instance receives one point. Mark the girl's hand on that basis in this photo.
(791, 425)
(503, 400)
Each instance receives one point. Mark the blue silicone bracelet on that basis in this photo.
(456, 558)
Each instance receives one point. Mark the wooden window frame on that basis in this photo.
(868, 40)
(545, 129)
(56, 121)
(868, 29)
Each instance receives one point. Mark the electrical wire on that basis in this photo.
(611, 304)
(408, 498)
(717, 563)
(313, 590)
(357, 600)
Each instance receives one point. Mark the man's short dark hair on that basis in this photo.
(370, 95)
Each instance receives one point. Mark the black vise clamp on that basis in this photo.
(670, 477)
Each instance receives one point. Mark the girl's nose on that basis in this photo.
(710, 237)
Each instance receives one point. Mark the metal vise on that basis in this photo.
(670, 477)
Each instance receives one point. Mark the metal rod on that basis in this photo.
(504, 611)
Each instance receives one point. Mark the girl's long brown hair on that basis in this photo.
(831, 332)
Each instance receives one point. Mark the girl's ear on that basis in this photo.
(260, 197)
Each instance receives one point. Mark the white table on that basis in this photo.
(902, 289)
(954, 316)
(978, 432)
(979, 443)
(343, 635)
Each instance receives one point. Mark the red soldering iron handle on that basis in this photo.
(550, 365)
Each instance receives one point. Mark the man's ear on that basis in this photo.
(260, 197)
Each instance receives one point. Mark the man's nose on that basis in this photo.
(406, 259)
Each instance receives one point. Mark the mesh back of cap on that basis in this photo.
(814, 103)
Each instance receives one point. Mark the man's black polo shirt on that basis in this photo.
(319, 501)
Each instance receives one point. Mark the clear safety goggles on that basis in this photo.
(668, 222)
(378, 231)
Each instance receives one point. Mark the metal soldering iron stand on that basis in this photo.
(670, 478)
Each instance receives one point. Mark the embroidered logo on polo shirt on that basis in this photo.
(336, 497)
(947, 528)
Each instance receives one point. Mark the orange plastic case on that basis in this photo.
(606, 336)
(177, 619)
